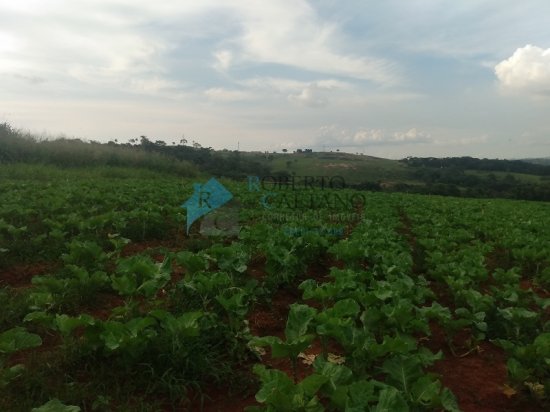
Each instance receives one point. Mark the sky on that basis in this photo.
(383, 78)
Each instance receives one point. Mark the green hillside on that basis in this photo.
(452, 176)
(353, 168)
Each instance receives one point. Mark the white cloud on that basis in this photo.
(227, 95)
(412, 136)
(35, 80)
(310, 95)
(526, 71)
(8, 42)
(289, 32)
(223, 59)
(464, 141)
(335, 136)
(286, 85)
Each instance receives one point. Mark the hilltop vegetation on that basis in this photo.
(460, 176)
(182, 160)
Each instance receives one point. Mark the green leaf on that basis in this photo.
(359, 395)
(448, 401)
(311, 384)
(337, 374)
(394, 345)
(344, 308)
(391, 400)
(273, 380)
(517, 372)
(425, 391)
(542, 345)
(17, 339)
(279, 393)
(293, 348)
(299, 318)
(114, 334)
(264, 341)
(192, 262)
(9, 374)
(402, 371)
(40, 317)
(124, 285)
(66, 324)
(55, 405)
(185, 325)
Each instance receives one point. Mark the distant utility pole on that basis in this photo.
(238, 146)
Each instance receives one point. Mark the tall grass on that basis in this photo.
(20, 147)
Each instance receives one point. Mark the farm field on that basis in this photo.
(329, 300)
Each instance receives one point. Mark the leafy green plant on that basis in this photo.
(235, 303)
(337, 322)
(530, 363)
(140, 275)
(297, 338)
(280, 394)
(11, 341)
(418, 388)
(55, 405)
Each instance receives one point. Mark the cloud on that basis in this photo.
(336, 136)
(311, 96)
(8, 42)
(227, 95)
(290, 33)
(29, 78)
(526, 71)
(465, 141)
(411, 136)
(223, 59)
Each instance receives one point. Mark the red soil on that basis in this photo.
(21, 275)
(141, 247)
(527, 284)
(476, 375)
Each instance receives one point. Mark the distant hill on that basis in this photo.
(545, 161)
(353, 168)
(454, 176)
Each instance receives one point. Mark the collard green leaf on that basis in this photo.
(17, 339)
(425, 391)
(9, 374)
(299, 319)
(391, 400)
(55, 405)
(448, 401)
(402, 372)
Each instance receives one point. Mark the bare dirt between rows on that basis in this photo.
(20, 276)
